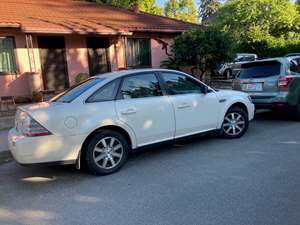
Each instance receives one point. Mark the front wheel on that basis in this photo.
(235, 123)
(106, 153)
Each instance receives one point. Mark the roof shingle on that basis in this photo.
(68, 16)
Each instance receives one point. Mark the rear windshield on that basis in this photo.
(73, 92)
(260, 69)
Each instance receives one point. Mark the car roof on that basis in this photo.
(116, 74)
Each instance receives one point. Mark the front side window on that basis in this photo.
(138, 53)
(140, 86)
(180, 84)
(7, 55)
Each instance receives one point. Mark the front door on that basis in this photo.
(144, 108)
(53, 61)
(98, 55)
(195, 111)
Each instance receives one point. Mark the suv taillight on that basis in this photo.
(32, 128)
(284, 82)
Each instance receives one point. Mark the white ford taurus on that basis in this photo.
(101, 120)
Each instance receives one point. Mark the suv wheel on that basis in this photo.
(235, 123)
(106, 153)
(297, 111)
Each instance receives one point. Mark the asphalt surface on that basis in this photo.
(254, 180)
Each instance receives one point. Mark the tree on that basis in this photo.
(260, 25)
(201, 49)
(148, 6)
(207, 8)
(184, 10)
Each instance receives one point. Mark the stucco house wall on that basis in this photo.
(29, 76)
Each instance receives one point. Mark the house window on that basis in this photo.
(138, 53)
(7, 56)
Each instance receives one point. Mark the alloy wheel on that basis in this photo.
(234, 124)
(108, 152)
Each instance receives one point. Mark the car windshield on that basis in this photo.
(260, 69)
(73, 92)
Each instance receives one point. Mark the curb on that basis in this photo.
(5, 157)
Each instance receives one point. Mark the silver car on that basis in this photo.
(272, 83)
(228, 70)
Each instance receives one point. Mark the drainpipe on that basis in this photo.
(34, 80)
(29, 46)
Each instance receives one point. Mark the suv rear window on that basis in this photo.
(260, 69)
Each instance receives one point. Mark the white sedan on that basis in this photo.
(100, 121)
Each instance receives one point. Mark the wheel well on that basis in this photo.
(240, 105)
(112, 128)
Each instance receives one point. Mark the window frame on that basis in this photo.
(126, 55)
(3, 73)
(118, 80)
(155, 73)
(185, 75)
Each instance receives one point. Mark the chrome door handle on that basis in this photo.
(128, 111)
(183, 105)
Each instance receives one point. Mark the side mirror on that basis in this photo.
(205, 90)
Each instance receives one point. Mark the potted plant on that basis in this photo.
(81, 77)
(37, 96)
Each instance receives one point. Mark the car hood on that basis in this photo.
(230, 93)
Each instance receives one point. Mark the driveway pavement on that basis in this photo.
(254, 180)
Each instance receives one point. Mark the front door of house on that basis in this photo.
(53, 61)
(98, 55)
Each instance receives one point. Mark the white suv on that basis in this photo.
(101, 120)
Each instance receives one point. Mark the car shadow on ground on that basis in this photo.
(52, 174)
(274, 115)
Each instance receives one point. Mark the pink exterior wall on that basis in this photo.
(157, 53)
(22, 84)
(77, 56)
(17, 84)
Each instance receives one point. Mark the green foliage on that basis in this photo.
(81, 77)
(150, 6)
(202, 49)
(207, 8)
(184, 10)
(266, 27)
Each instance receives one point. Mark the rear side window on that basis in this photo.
(140, 86)
(260, 69)
(73, 92)
(106, 93)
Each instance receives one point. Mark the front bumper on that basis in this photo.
(44, 149)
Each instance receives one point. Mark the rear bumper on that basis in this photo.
(45, 149)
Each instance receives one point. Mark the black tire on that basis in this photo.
(297, 112)
(227, 74)
(236, 111)
(97, 141)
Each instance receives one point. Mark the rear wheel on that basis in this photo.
(297, 111)
(106, 153)
(235, 123)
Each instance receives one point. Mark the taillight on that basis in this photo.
(32, 128)
(284, 82)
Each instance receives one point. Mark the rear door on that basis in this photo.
(143, 106)
(260, 78)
